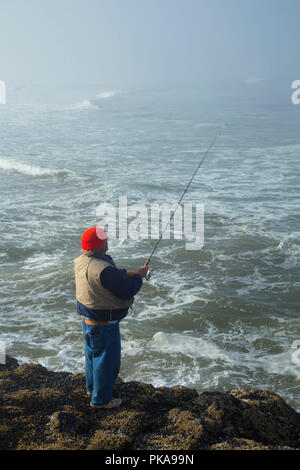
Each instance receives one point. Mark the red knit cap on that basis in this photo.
(92, 238)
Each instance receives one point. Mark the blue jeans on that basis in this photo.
(102, 360)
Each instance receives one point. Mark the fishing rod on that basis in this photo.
(149, 274)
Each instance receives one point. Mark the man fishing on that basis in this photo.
(104, 294)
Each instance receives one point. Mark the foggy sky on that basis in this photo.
(120, 41)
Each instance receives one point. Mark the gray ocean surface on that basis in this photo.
(223, 317)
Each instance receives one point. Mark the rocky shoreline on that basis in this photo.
(42, 409)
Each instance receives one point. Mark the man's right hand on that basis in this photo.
(142, 271)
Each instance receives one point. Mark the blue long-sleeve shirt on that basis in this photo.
(121, 285)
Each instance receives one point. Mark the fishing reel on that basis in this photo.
(150, 271)
(149, 274)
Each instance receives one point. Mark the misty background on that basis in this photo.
(221, 47)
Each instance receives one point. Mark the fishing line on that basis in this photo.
(149, 275)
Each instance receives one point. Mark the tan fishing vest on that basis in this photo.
(89, 290)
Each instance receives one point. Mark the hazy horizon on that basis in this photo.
(137, 42)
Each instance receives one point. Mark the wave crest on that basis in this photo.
(30, 170)
(93, 103)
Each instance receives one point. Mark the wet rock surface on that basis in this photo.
(41, 409)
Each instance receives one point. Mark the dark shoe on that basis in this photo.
(114, 403)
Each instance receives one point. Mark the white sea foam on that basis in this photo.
(280, 364)
(30, 170)
(131, 347)
(176, 343)
(42, 261)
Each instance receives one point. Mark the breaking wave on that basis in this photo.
(30, 170)
(176, 343)
(93, 103)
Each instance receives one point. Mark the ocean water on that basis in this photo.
(223, 317)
